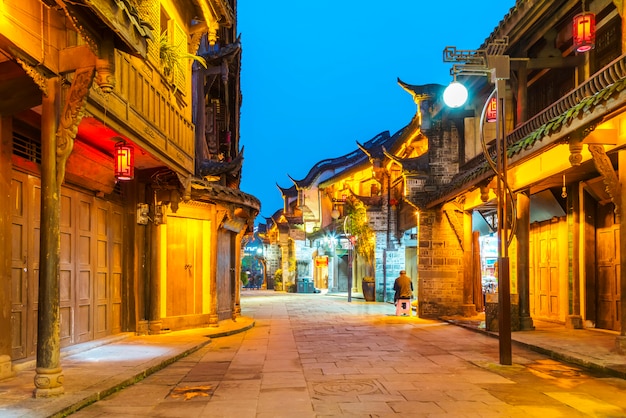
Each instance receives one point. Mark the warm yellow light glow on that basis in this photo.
(161, 237)
(206, 267)
(551, 162)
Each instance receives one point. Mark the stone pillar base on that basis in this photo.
(468, 310)
(142, 328)
(154, 327)
(48, 382)
(214, 321)
(620, 344)
(5, 367)
(526, 324)
(574, 322)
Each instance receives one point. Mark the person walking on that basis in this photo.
(403, 286)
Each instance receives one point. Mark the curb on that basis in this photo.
(589, 365)
(101, 394)
(129, 381)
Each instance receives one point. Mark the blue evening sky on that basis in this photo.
(317, 76)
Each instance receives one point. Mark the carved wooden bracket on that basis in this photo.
(71, 117)
(484, 188)
(576, 142)
(575, 149)
(105, 67)
(37, 76)
(605, 168)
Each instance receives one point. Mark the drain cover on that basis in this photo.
(347, 387)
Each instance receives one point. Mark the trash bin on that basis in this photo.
(304, 285)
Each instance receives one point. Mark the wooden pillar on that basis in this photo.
(477, 273)
(49, 375)
(153, 279)
(237, 269)
(469, 304)
(522, 93)
(234, 281)
(621, 339)
(213, 316)
(6, 139)
(523, 260)
(58, 131)
(574, 318)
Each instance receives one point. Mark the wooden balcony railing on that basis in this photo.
(610, 74)
(142, 101)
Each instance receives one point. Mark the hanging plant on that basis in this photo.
(171, 55)
(358, 226)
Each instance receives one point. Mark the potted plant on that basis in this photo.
(244, 278)
(278, 280)
(364, 241)
(369, 288)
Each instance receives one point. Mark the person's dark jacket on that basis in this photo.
(403, 286)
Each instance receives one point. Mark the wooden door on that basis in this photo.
(116, 246)
(184, 267)
(19, 283)
(25, 205)
(79, 232)
(342, 273)
(84, 242)
(225, 274)
(108, 269)
(607, 269)
(547, 270)
(76, 267)
(19, 270)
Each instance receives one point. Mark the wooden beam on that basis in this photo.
(76, 57)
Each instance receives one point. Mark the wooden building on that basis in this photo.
(119, 155)
(563, 97)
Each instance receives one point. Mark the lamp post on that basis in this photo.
(491, 62)
(260, 256)
(335, 215)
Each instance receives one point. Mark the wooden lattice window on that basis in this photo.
(178, 39)
(608, 44)
(150, 11)
(553, 85)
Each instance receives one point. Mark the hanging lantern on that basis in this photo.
(584, 31)
(124, 161)
(492, 110)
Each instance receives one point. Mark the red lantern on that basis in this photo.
(124, 161)
(492, 110)
(584, 31)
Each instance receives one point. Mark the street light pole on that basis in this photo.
(504, 283)
(493, 63)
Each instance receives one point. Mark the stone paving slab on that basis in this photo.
(94, 370)
(362, 362)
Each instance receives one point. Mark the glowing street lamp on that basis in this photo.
(455, 95)
(492, 63)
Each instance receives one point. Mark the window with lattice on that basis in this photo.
(178, 40)
(150, 11)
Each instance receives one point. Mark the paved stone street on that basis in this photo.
(319, 356)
